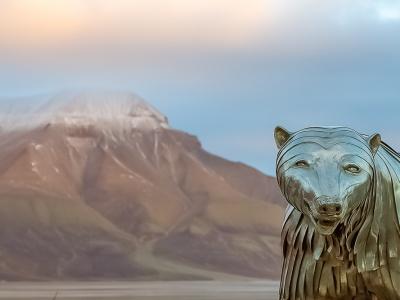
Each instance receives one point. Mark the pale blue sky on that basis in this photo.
(226, 71)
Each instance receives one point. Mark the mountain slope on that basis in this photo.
(100, 186)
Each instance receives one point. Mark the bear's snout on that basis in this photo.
(330, 209)
(328, 206)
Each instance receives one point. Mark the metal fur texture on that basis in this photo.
(341, 236)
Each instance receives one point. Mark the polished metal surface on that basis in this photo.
(341, 236)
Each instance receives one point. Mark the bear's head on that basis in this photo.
(325, 172)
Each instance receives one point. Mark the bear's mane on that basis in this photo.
(378, 242)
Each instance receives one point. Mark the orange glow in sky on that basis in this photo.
(34, 22)
(46, 22)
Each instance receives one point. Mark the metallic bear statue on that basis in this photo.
(341, 234)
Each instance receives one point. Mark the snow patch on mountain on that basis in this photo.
(103, 110)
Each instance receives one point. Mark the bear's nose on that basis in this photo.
(330, 209)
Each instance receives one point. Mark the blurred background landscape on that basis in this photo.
(136, 136)
(99, 186)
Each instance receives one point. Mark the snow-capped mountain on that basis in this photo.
(110, 111)
(98, 185)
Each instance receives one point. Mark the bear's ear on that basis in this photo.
(281, 136)
(374, 141)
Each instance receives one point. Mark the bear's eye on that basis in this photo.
(352, 168)
(302, 163)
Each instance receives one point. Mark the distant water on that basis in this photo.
(182, 290)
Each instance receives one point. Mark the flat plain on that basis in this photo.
(177, 290)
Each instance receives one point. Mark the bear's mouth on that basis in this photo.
(326, 226)
(326, 222)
